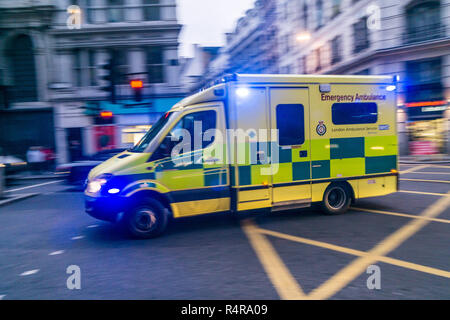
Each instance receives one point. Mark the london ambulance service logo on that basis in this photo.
(321, 129)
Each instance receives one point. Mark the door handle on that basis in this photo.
(261, 156)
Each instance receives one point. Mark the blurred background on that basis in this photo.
(81, 77)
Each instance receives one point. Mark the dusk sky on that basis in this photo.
(206, 21)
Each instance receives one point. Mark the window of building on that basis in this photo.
(318, 57)
(336, 49)
(360, 35)
(354, 113)
(115, 10)
(286, 10)
(155, 65)
(152, 10)
(424, 80)
(302, 65)
(423, 21)
(364, 72)
(89, 11)
(77, 68)
(319, 14)
(120, 57)
(22, 68)
(290, 124)
(305, 16)
(336, 8)
(92, 68)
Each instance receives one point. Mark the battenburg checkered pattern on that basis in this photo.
(330, 158)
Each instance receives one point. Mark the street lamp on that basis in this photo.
(303, 36)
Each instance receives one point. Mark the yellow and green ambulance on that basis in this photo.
(255, 143)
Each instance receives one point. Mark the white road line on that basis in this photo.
(30, 272)
(2, 296)
(77, 238)
(54, 253)
(33, 186)
(93, 226)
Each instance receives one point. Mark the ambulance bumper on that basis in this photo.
(105, 208)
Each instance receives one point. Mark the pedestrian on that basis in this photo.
(41, 158)
(49, 158)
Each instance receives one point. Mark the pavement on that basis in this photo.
(391, 247)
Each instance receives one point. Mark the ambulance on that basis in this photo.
(255, 143)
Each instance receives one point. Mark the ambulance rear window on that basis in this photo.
(291, 124)
(354, 113)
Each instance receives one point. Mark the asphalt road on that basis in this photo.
(291, 255)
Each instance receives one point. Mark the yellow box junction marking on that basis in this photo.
(398, 214)
(422, 180)
(413, 169)
(359, 253)
(278, 273)
(288, 288)
(429, 172)
(354, 269)
(425, 193)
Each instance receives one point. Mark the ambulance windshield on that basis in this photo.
(154, 130)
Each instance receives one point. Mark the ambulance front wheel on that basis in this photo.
(336, 199)
(147, 219)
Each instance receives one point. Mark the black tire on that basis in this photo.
(147, 219)
(336, 199)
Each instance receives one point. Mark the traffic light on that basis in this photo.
(137, 86)
(110, 77)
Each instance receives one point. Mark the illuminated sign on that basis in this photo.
(426, 103)
(433, 109)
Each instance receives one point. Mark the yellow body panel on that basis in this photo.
(291, 193)
(192, 208)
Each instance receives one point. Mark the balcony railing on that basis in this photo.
(427, 33)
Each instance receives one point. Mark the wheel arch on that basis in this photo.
(145, 194)
(346, 185)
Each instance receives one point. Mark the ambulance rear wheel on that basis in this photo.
(336, 199)
(147, 219)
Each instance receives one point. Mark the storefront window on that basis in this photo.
(131, 135)
(427, 136)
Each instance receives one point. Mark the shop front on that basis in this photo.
(427, 127)
(127, 121)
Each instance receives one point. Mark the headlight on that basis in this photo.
(96, 184)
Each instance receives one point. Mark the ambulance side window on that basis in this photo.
(291, 124)
(196, 123)
(354, 113)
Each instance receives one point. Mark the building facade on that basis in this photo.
(409, 39)
(51, 61)
(250, 48)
